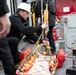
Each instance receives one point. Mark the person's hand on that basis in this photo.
(45, 42)
(4, 26)
(44, 25)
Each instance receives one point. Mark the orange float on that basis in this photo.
(24, 53)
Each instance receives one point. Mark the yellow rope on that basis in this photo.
(19, 65)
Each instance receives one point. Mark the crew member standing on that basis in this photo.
(51, 19)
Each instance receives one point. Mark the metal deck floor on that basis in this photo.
(59, 71)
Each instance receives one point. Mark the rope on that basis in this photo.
(21, 63)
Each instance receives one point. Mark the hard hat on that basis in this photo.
(24, 6)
